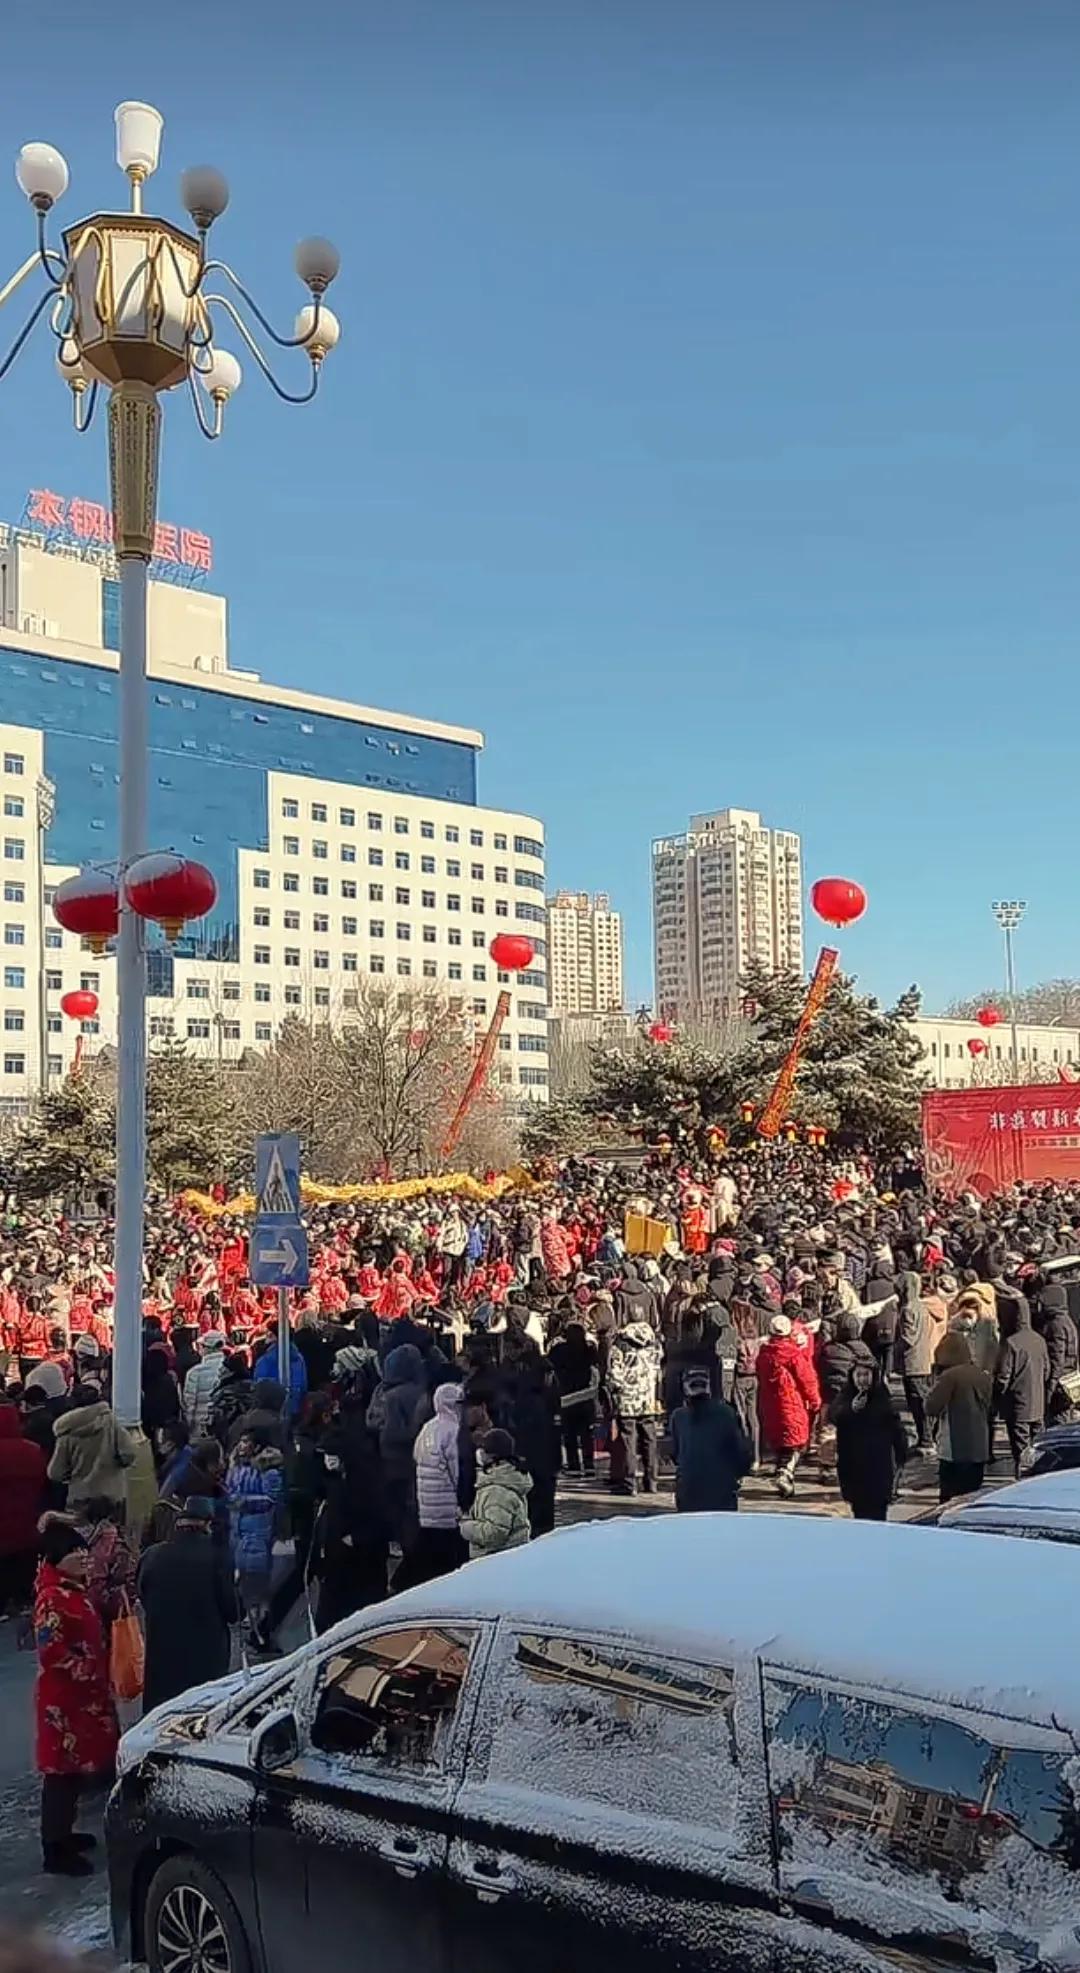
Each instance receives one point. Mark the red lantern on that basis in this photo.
(512, 952)
(791, 1131)
(976, 1047)
(838, 900)
(748, 1113)
(660, 1032)
(988, 1017)
(89, 906)
(170, 889)
(81, 1005)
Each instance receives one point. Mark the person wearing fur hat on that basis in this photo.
(499, 1517)
(76, 1730)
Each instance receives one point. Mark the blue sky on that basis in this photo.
(704, 427)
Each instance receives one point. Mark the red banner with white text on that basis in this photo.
(983, 1140)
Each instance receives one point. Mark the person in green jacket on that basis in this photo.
(499, 1516)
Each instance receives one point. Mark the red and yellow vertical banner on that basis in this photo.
(479, 1072)
(776, 1108)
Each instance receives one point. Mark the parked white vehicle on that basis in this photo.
(716, 1743)
(1044, 1509)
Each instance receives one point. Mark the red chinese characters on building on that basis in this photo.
(987, 1139)
(90, 520)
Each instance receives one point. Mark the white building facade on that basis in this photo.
(347, 843)
(725, 893)
(1042, 1052)
(585, 954)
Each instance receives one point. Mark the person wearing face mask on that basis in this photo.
(76, 1725)
(712, 1452)
(871, 1444)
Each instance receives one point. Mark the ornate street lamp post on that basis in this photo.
(130, 306)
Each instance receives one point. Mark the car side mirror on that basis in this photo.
(275, 1742)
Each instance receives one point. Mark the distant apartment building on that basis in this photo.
(725, 893)
(585, 954)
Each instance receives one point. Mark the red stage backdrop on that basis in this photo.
(982, 1140)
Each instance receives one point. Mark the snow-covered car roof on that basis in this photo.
(950, 1616)
(1050, 1501)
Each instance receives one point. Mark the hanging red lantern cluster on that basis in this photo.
(975, 1046)
(512, 952)
(838, 900)
(79, 1005)
(816, 1135)
(89, 906)
(660, 1032)
(988, 1017)
(170, 889)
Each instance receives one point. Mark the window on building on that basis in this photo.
(320, 886)
(293, 996)
(322, 996)
(53, 939)
(263, 1031)
(533, 1078)
(453, 936)
(14, 1022)
(291, 955)
(502, 908)
(53, 980)
(320, 922)
(478, 906)
(198, 989)
(431, 971)
(479, 1006)
(320, 849)
(453, 867)
(376, 964)
(427, 830)
(348, 928)
(15, 976)
(527, 846)
(348, 962)
(401, 859)
(198, 1030)
(375, 857)
(374, 821)
(14, 893)
(427, 900)
(261, 916)
(376, 928)
(404, 931)
(476, 872)
(14, 849)
(230, 990)
(453, 834)
(290, 881)
(453, 902)
(404, 968)
(479, 941)
(375, 893)
(499, 841)
(532, 1044)
(14, 764)
(479, 974)
(348, 852)
(502, 874)
(427, 866)
(14, 1065)
(291, 920)
(318, 811)
(262, 994)
(401, 825)
(291, 845)
(348, 889)
(54, 1024)
(262, 955)
(290, 809)
(14, 806)
(231, 1030)
(401, 894)
(321, 961)
(347, 818)
(429, 935)
(453, 970)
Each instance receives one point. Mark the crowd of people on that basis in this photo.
(782, 1312)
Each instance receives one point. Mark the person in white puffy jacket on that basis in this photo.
(201, 1382)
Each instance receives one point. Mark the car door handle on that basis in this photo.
(404, 1853)
(487, 1877)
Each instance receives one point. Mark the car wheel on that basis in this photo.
(191, 1923)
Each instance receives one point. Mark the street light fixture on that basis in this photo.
(1008, 914)
(131, 308)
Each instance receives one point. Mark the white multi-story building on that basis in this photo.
(347, 843)
(585, 954)
(727, 892)
(1042, 1052)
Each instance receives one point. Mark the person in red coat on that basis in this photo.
(74, 1713)
(789, 1398)
(22, 1497)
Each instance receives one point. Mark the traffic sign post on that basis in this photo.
(279, 1245)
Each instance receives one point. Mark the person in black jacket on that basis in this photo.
(694, 1350)
(871, 1444)
(1055, 1325)
(1022, 1376)
(186, 1589)
(712, 1452)
(575, 1361)
(533, 1408)
(838, 1358)
(351, 1547)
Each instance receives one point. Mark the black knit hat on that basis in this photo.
(59, 1538)
(497, 1445)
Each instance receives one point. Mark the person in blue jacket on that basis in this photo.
(712, 1452)
(269, 1365)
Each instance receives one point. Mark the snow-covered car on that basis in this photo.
(1046, 1508)
(1055, 1449)
(698, 1743)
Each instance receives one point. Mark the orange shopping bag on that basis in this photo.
(127, 1655)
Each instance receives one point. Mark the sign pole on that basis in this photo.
(283, 1335)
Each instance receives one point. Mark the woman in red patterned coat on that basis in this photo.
(74, 1712)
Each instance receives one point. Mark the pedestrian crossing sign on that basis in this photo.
(277, 1175)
